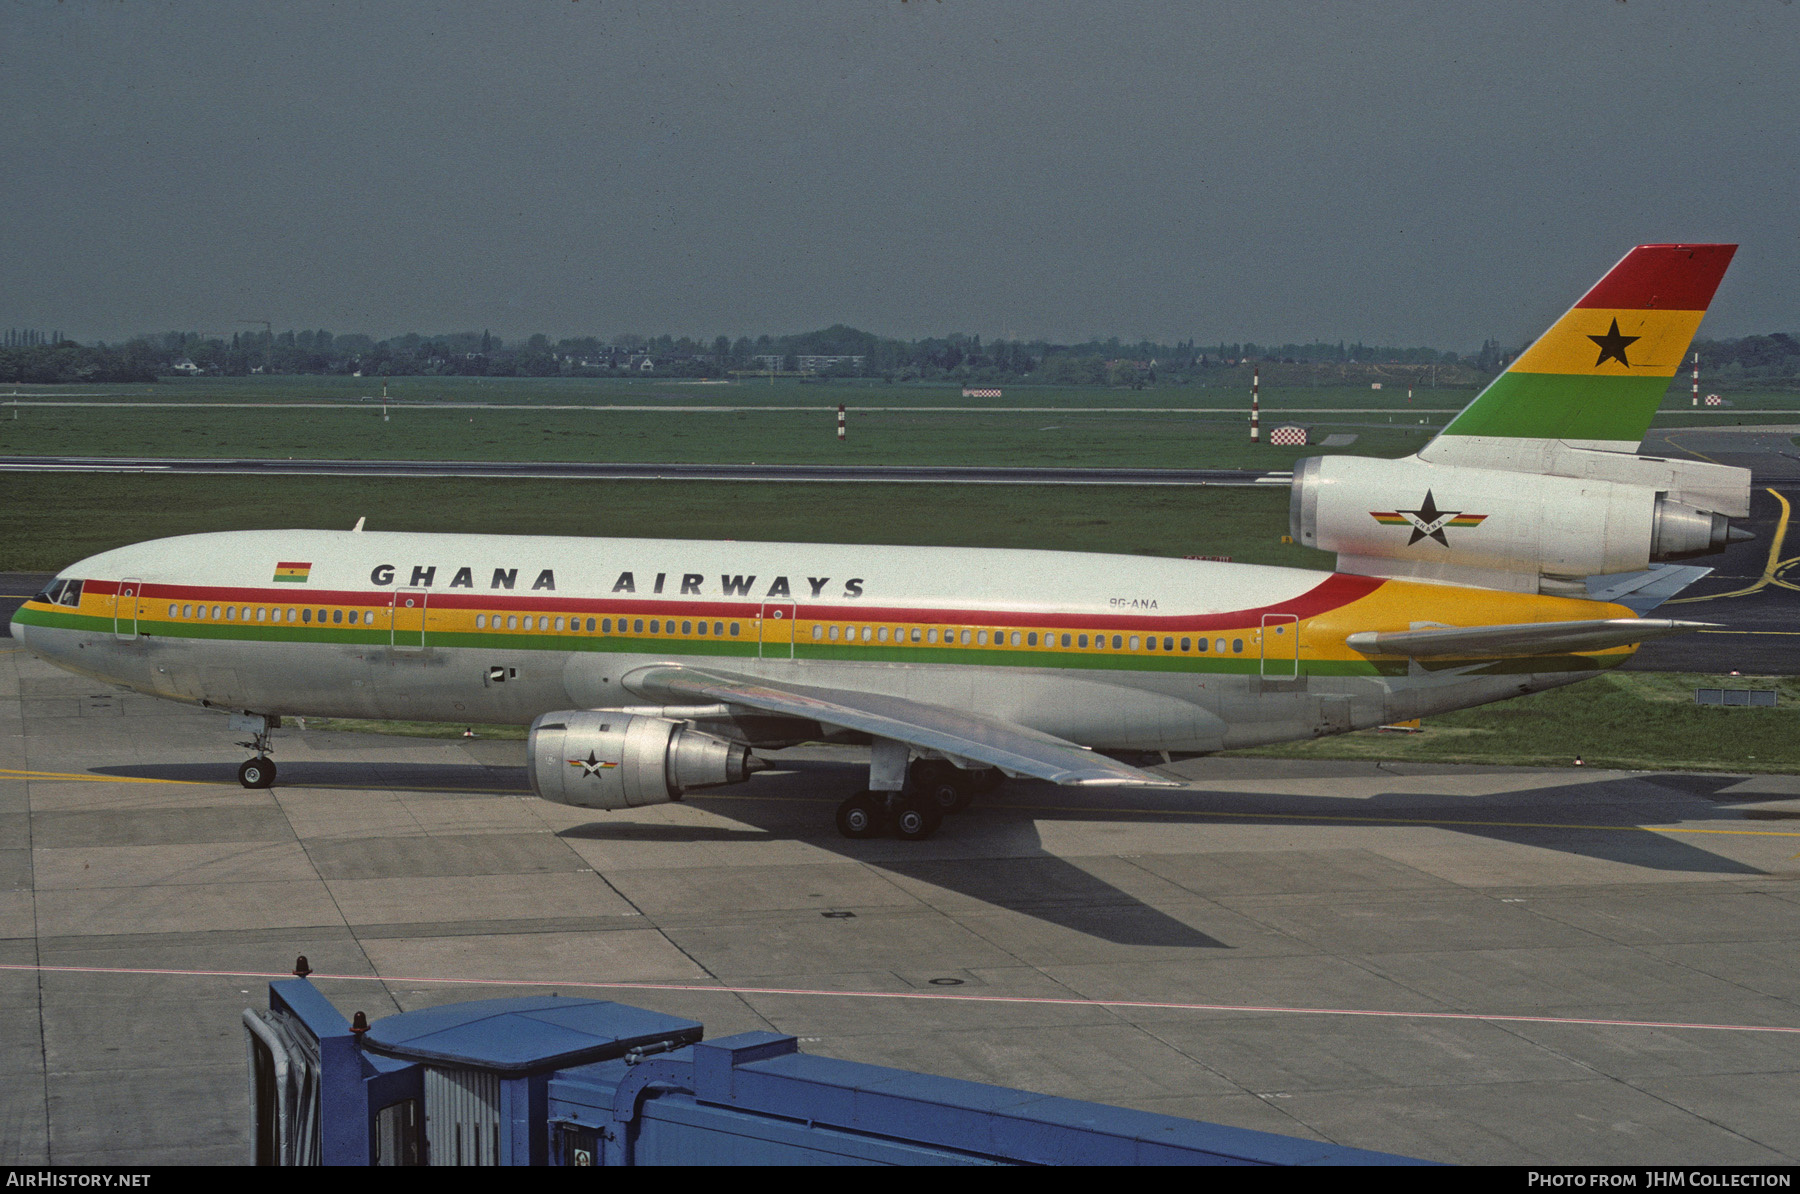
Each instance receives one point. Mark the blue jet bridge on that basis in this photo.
(559, 1081)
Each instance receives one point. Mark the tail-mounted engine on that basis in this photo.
(623, 760)
(1491, 527)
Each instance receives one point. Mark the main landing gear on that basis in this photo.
(934, 789)
(260, 771)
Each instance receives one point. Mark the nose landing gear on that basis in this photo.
(260, 771)
(257, 773)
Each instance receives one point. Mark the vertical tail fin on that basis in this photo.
(1595, 379)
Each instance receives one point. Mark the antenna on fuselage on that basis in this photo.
(359, 523)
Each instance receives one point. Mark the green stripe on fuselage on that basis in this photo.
(1562, 406)
(975, 656)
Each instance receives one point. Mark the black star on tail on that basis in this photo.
(1613, 346)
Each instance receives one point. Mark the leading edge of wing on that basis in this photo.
(1012, 748)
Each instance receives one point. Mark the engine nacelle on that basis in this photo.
(1412, 518)
(597, 759)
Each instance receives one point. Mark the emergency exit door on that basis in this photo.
(125, 608)
(1280, 646)
(775, 632)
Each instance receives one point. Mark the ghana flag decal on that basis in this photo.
(287, 572)
(1601, 370)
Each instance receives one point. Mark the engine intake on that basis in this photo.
(597, 759)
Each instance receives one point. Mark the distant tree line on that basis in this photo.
(835, 352)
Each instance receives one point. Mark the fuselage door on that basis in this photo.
(406, 619)
(125, 608)
(1280, 646)
(775, 631)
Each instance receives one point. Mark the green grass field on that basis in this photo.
(56, 518)
(1626, 720)
(787, 423)
(1621, 721)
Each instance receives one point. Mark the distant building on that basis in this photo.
(813, 364)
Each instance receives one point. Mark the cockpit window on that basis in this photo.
(61, 591)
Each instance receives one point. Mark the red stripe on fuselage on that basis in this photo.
(1336, 590)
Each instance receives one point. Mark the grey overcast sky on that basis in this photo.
(1400, 173)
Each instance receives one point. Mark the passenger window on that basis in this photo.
(965, 638)
(1031, 639)
(718, 629)
(1134, 639)
(1065, 641)
(306, 615)
(512, 621)
(481, 621)
(337, 617)
(981, 638)
(1219, 646)
(868, 632)
(230, 613)
(915, 634)
(1149, 642)
(1117, 643)
(881, 634)
(700, 627)
(818, 631)
(687, 628)
(931, 635)
(187, 611)
(1168, 643)
(1015, 639)
(1187, 644)
(832, 633)
(1083, 640)
(591, 625)
(1237, 646)
(605, 625)
(734, 630)
(559, 623)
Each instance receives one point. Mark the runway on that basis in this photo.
(584, 471)
(1476, 965)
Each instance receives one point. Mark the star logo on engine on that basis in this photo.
(1427, 521)
(592, 765)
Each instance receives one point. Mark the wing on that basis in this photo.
(952, 733)
(1528, 638)
(1641, 592)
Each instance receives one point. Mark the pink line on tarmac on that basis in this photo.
(933, 996)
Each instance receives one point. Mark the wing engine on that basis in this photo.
(601, 759)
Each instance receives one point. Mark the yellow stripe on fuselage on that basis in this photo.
(1399, 605)
(1661, 339)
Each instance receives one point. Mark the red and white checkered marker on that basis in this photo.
(1289, 436)
(970, 393)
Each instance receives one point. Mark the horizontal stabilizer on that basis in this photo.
(952, 733)
(1527, 638)
(1641, 592)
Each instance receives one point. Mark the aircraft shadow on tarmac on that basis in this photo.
(1598, 818)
